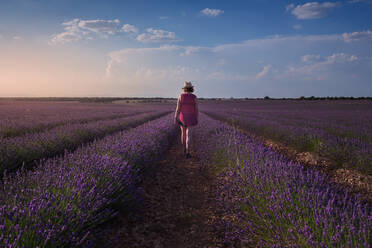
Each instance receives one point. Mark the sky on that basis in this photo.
(140, 48)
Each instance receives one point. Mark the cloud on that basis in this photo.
(157, 36)
(163, 17)
(312, 10)
(340, 58)
(191, 50)
(17, 37)
(211, 12)
(264, 71)
(285, 67)
(278, 41)
(297, 26)
(78, 29)
(128, 28)
(100, 26)
(317, 67)
(124, 56)
(257, 45)
(309, 58)
(353, 58)
(64, 37)
(357, 36)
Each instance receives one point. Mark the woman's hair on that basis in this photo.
(188, 89)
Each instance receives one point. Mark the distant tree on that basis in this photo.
(266, 97)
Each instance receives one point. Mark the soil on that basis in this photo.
(179, 209)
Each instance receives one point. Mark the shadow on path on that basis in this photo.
(179, 208)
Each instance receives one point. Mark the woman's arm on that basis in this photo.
(178, 109)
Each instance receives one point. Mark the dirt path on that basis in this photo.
(179, 208)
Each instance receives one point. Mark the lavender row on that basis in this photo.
(19, 129)
(272, 202)
(349, 147)
(57, 204)
(21, 117)
(28, 149)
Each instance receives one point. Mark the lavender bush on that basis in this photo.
(272, 202)
(21, 117)
(63, 198)
(339, 131)
(31, 147)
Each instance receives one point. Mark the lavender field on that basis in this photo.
(113, 175)
(271, 201)
(340, 131)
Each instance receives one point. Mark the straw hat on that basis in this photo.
(187, 85)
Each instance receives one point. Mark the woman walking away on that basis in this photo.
(186, 115)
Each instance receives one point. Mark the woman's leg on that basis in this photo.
(188, 138)
(183, 136)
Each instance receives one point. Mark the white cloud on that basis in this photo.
(65, 37)
(124, 56)
(72, 26)
(191, 50)
(312, 10)
(128, 28)
(77, 29)
(281, 63)
(277, 41)
(17, 37)
(317, 67)
(340, 58)
(353, 58)
(163, 17)
(357, 36)
(297, 26)
(264, 71)
(309, 58)
(157, 36)
(211, 12)
(100, 26)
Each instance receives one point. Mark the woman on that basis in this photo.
(186, 115)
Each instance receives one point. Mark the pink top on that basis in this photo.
(188, 114)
